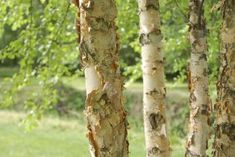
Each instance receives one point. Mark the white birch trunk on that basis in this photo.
(106, 117)
(156, 139)
(198, 82)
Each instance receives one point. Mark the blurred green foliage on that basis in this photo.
(38, 37)
(174, 20)
(44, 45)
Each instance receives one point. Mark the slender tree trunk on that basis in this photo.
(225, 133)
(156, 140)
(106, 117)
(198, 83)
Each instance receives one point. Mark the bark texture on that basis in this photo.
(198, 135)
(106, 117)
(156, 139)
(225, 131)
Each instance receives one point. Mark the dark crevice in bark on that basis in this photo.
(156, 92)
(156, 120)
(154, 151)
(146, 39)
(152, 6)
(203, 57)
(228, 129)
(205, 110)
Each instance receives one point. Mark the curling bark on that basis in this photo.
(156, 139)
(106, 117)
(225, 131)
(198, 83)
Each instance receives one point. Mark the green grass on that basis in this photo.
(58, 138)
(67, 138)
(53, 138)
(7, 71)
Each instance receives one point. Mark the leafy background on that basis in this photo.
(40, 70)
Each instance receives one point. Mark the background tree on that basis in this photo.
(225, 124)
(48, 17)
(198, 135)
(39, 54)
(99, 48)
(157, 143)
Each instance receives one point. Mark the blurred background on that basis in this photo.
(42, 90)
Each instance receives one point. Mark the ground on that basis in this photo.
(57, 137)
(66, 136)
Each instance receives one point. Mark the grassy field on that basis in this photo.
(66, 137)
(59, 138)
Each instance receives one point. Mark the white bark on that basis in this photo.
(106, 117)
(156, 140)
(198, 82)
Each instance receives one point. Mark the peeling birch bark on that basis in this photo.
(157, 143)
(224, 143)
(198, 134)
(106, 117)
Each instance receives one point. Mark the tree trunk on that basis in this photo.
(106, 117)
(156, 140)
(198, 83)
(225, 132)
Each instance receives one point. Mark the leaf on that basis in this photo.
(43, 1)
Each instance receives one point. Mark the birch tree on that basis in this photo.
(198, 83)
(156, 139)
(225, 131)
(106, 117)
